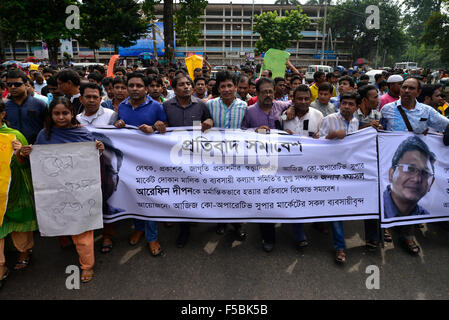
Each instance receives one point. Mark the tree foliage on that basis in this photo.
(118, 22)
(185, 19)
(436, 33)
(279, 32)
(348, 20)
(188, 22)
(287, 2)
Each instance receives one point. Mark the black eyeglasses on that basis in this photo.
(14, 84)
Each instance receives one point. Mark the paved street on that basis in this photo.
(218, 267)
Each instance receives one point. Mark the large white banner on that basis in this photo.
(237, 176)
(414, 178)
(67, 188)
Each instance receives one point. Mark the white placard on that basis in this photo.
(67, 188)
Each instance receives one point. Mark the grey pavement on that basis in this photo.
(219, 267)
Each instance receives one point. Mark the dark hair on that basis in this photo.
(363, 90)
(318, 75)
(261, 81)
(90, 85)
(198, 79)
(197, 69)
(137, 75)
(99, 68)
(270, 74)
(16, 73)
(107, 81)
(428, 91)
(2, 106)
(411, 144)
(302, 88)
(157, 79)
(119, 80)
(364, 77)
(179, 71)
(351, 96)
(67, 75)
(378, 76)
(295, 77)
(48, 122)
(2, 85)
(223, 76)
(151, 70)
(95, 76)
(52, 81)
(48, 70)
(121, 69)
(347, 78)
(330, 75)
(326, 86)
(175, 80)
(243, 78)
(277, 80)
(211, 79)
(383, 83)
(30, 82)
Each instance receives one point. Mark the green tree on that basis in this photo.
(436, 33)
(14, 24)
(188, 22)
(416, 15)
(348, 20)
(278, 32)
(118, 22)
(185, 20)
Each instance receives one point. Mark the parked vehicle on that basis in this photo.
(314, 68)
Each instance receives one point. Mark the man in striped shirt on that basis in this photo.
(338, 125)
(227, 112)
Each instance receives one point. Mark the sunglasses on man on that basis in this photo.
(14, 84)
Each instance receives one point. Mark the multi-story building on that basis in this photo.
(228, 38)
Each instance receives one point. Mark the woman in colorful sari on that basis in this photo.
(19, 219)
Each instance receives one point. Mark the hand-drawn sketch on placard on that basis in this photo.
(67, 188)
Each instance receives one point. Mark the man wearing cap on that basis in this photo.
(394, 87)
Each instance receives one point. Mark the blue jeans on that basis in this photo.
(338, 235)
(149, 227)
(298, 232)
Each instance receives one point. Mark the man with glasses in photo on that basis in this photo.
(411, 176)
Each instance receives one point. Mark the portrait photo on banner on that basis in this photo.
(414, 178)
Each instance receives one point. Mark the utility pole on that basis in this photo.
(324, 31)
(153, 29)
(252, 27)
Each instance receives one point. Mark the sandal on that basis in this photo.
(23, 262)
(87, 275)
(340, 256)
(135, 237)
(155, 248)
(3, 278)
(106, 246)
(387, 236)
(410, 246)
(371, 245)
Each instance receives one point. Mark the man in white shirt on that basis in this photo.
(94, 114)
(306, 123)
(307, 120)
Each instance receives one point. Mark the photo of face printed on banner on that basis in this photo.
(414, 172)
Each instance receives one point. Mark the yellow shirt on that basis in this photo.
(314, 91)
(444, 110)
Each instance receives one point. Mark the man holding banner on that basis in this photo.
(337, 126)
(149, 116)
